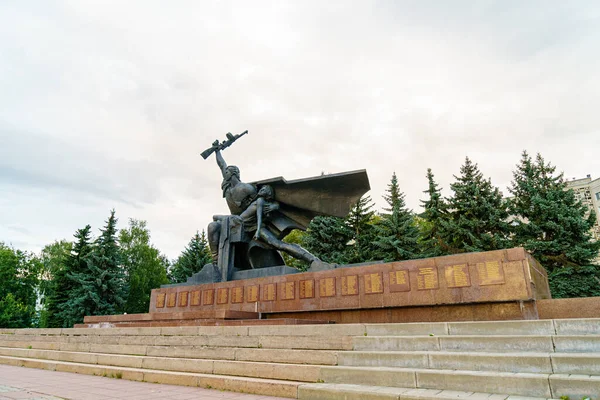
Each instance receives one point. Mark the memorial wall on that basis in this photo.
(501, 276)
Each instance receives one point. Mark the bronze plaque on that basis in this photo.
(427, 278)
(237, 294)
(171, 299)
(457, 276)
(269, 292)
(327, 287)
(252, 294)
(288, 290)
(195, 301)
(373, 283)
(307, 289)
(208, 297)
(223, 295)
(160, 300)
(349, 285)
(399, 281)
(490, 273)
(183, 299)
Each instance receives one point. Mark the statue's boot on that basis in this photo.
(318, 265)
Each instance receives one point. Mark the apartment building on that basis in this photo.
(588, 191)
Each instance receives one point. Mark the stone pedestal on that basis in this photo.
(494, 285)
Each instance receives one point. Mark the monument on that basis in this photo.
(247, 243)
(248, 283)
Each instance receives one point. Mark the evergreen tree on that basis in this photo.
(193, 258)
(435, 212)
(101, 289)
(550, 222)
(55, 259)
(360, 221)
(68, 307)
(393, 195)
(327, 238)
(477, 215)
(144, 266)
(396, 234)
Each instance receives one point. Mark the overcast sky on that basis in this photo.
(108, 104)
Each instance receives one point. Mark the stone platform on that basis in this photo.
(220, 317)
(503, 360)
(495, 285)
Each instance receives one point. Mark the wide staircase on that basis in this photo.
(475, 360)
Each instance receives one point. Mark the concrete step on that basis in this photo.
(583, 326)
(87, 342)
(521, 384)
(341, 391)
(484, 343)
(267, 387)
(267, 370)
(547, 363)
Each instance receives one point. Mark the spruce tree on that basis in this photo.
(193, 258)
(550, 222)
(69, 306)
(144, 266)
(477, 216)
(434, 213)
(393, 194)
(360, 220)
(101, 288)
(327, 238)
(395, 233)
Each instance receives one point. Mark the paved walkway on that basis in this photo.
(37, 384)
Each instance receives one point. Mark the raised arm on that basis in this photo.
(221, 162)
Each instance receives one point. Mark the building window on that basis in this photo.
(597, 195)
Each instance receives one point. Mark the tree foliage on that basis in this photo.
(477, 214)
(54, 283)
(145, 268)
(435, 211)
(19, 275)
(193, 258)
(327, 238)
(550, 222)
(100, 288)
(396, 235)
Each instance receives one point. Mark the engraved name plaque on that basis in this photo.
(427, 278)
(327, 287)
(237, 294)
(195, 298)
(171, 299)
(288, 290)
(373, 283)
(268, 292)
(349, 285)
(222, 295)
(307, 289)
(160, 300)
(183, 299)
(252, 294)
(399, 281)
(208, 297)
(457, 276)
(490, 273)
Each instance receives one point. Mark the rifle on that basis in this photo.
(223, 145)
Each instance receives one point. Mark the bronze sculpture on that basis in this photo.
(264, 212)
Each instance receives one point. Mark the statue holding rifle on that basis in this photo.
(264, 212)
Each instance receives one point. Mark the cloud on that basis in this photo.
(108, 104)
